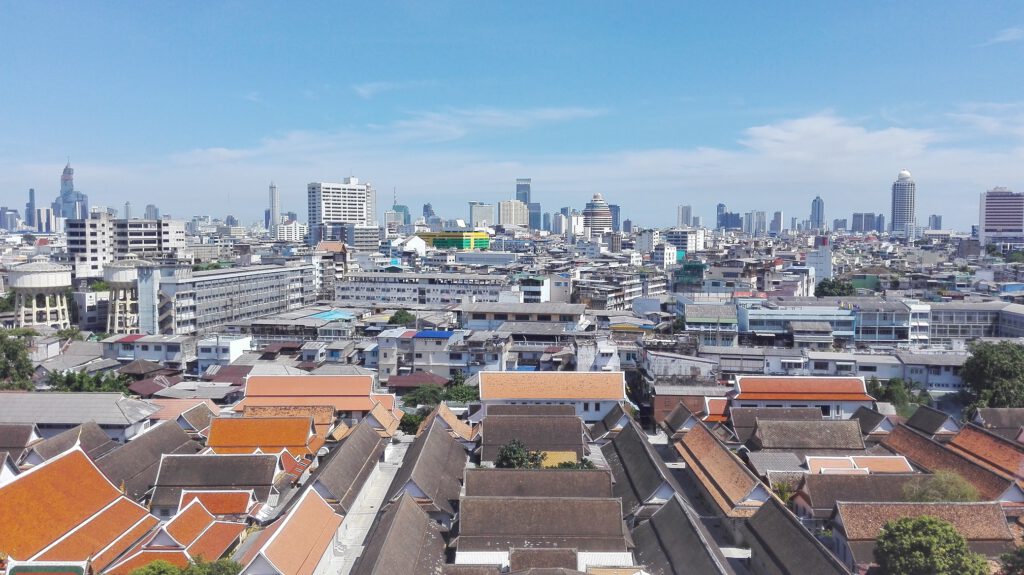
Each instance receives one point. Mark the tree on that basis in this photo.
(514, 455)
(429, 395)
(1013, 563)
(993, 362)
(581, 464)
(462, 394)
(219, 567)
(458, 378)
(81, 381)
(925, 546)
(7, 302)
(942, 486)
(834, 287)
(402, 317)
(158, 567)
(410, 423)
(15, 366)
(99, 285)
(784, 490)
(70, 333)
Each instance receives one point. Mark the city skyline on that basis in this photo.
(440, 123)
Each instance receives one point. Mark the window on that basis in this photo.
(826, 410)
(821, 365)
(586, 406)
(419, 356)
(158, 348)
(145, 347)
(868, 368)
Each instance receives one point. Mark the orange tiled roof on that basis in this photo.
(308, 386)
(189, 523)
(321, 414)
(716, 409)
(49, 491)
(756, 387)
(267, 434)
(141, 558)
(217, 539)
(297, 545)
(386, 418)
(990, 450)
(458, 428)
(98, 533)
(220, 502)
(172, 408)
(340, 403)
(601, 385)
(723, 475)
(883, 464)
(126, 540)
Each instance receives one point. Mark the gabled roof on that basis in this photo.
(932, 456)
(780, 544)
(821, 491)
(575, 385)
(213, 473)
(172, 408)
(799, 388)
(435, 463)
(584, 524)
(296, 435)
(490, 482)
(674, 542)
(828, 434)
(349, 465)
(868, 418)
(676, 420)
(610, 423)
(85, 515)
(67, 408)
(990, 450)
(226, 502)
(458, 428)
(416, 379)
(296, 542)
(1004, 421)
(744, 419)
(405, 540)
(559, 433)
(89, 437)
(134, 464)
(344, 392)
(930, 421)
(729, 482)
(639, 473)
(529, 409)
(385, 421)
(15, 437)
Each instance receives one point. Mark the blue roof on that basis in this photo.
(434, 334)
(526, 368)
(332, 315)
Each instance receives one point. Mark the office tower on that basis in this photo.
(719, 216)
(616, 211)
(1001, 217)
(523, 190)
(45, 220)
(127, 211)
(481, 215)
(275, 209)
(230, 220)
(428, 211)
(513, 213)
(9, 219)
(684, 216)
(748, 223)
(818, 213)
(404, 210)
(30, 208)
(546, 223)
(879, 222)
(559, 223)
(627, 226)
(348, 202)
(534, 215)
(294, 217)
(857, 222)
(697, 222)
(760, 223)
(152, 212)
(70, 203)
(565, 211)
(597, 215)
(902, 214)
(839, 224)
(934, 222)
(266, 219)
(777, 225)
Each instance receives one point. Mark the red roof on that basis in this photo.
(131, 338)
(755, 387)
(416, 379)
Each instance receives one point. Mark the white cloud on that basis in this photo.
(1013, 34)
(370, 90)
(454, 124)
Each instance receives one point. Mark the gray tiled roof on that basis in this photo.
(73, 408)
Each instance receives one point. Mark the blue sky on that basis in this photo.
(196, 106)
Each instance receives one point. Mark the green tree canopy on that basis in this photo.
(402, 317)
(428, 395)
(581, 464)
(942, 486)
(70, 333)
(834, 287)
(158, 567)
(514, 455)
(992, 362)
(462, 393)
(925, 546)
(15, 366)
(80, 381)
(1013, 563)
(196, 567)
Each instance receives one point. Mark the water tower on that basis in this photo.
(123, 279)
(40, 294)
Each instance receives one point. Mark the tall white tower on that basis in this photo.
(902, 218)
(275, 209)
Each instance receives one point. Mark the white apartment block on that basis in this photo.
(358, 288)
(99, 239)
(513, 213)
(689, 239)
(291, 232)
(348, 202)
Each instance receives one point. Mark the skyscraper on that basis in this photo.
(902, 216)
(523, 189)
(818, 213)
(30, 208)
(428, 211)
(349, 202)
(934, 222)
(152, 212)
(684, 216)
(616, 213)
(513, 213)
(70, 204)
(1001, 217)
(719, 213)
(777, 225)
(546, 223)
(127, 211)
(597, 215)
(275, 210)
(481, 215)
(534, 215)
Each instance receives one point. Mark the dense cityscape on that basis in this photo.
(482, 289)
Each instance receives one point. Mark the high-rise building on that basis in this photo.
(934, 222)
(546, 223)
(857, 222)
(719, 214)
(127, 210)
(513, 213)
(902, 215)
(152, 212)
(266, 219)
(616, 213)
(481, 215)
(597, 215)
(839, 225)
(1001, 217)
(684, 216)
(793, 224)
(697, 222)
(275, 210)
(428, 211)
(348, 202)
(404, 210)
(818, 213)
(777, 225)
(230, 220)
(760, 223)
(627, 226)
(70, 203)
(30, 208)
(533, 208)
(9, 219)
(523, 190)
